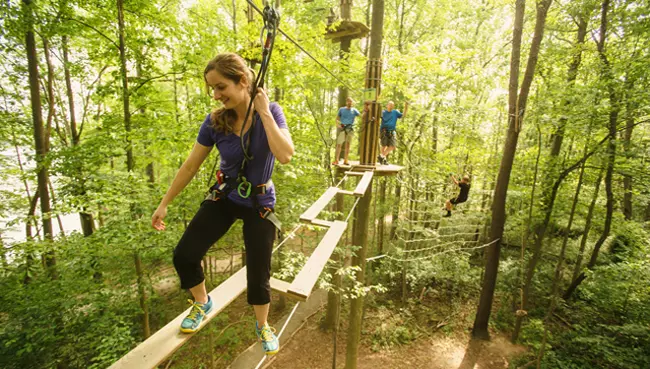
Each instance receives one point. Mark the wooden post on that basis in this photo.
(368, 138)
(360, 238)
(382, 215)
(333, 297)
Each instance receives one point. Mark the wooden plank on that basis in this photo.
(339, 34)
(162, 344)
(351, 173)
(362, 168)
(322, 223)
(310, 214)
(282, 287)
(346, 192)
(304, 282)
(364, 182)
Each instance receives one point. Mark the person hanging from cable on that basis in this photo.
(462, 195)
(244, 189)
(345, 129)
(388, 136)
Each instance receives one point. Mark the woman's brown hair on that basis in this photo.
(233, 67)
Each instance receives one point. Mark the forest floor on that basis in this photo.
(311, 348)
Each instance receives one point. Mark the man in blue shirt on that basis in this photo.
(387, 130)
(345, 129)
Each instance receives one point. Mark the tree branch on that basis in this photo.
(135, 112)
(94, 29)
(83, 117)
(133, 90)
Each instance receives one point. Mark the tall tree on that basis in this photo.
(39, 133)
(516, 110)
(547, 199)
(137, 258)
(614, 108)
(367, 157)
(86, 218)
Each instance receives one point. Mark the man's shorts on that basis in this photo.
(389, 138)
(456, 201)
(344, 135)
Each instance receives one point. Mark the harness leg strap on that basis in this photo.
(269, 214)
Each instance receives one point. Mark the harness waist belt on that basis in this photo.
(221, 190)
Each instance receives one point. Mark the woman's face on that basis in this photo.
(230, 94)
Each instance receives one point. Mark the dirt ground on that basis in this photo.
(311, 348)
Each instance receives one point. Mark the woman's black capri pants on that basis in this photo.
(210, 223)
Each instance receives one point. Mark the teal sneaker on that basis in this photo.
(270, 342)
(193, 320)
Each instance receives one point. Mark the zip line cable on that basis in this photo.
(303, 49)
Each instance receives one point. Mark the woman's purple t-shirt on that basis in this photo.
(259, 169)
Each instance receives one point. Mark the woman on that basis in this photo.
(232, 83)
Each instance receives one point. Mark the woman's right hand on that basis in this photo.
(157, 218)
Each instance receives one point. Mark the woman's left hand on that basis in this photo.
(261, 102)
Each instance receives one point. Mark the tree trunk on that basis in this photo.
(29, 259)
(129, 156)
(50, 94)
(68, 90)
(32, 208)
(627, 139)
(382, 216)
(363, 209)
(58, 217)
(499, 202)
(39, 135)
(548, 200)
(585, 234)
(125, 86)
(85, 218)
(572, 74)
(526, 234)
(143, 297)
(557, 278)
(611, 149)
(359, 260)
(398, 199)
(334, 297)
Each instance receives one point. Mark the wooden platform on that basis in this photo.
(379, 169)
(347, 29)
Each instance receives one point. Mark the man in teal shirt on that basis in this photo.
(345, 129)
(387, 130)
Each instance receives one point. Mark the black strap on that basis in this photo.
(271, 21)
(241, 183)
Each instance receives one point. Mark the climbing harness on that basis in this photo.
(226, 184)
(387, 133)
(245, 189)
(347, 129)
